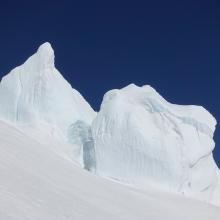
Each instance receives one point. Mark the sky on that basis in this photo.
(173, 46)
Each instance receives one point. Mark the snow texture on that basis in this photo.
(38, 184)
(137, 138)
(36, 94)
(143, 140)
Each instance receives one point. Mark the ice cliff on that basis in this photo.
(36, 94)
(137, 138)
(142, 139)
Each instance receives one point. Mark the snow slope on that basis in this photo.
(141, 139)
(36, 95)
(38, 183)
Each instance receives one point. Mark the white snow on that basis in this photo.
(152, 149)
(38, 184)
(143, 140)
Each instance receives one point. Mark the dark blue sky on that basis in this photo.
(172, 45)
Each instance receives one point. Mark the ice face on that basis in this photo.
(36, 92)
(80, 134)
(142, 139)
(137, 137)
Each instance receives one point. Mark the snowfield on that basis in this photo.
(38, 183)
(139, 157)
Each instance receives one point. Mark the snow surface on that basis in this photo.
(137, 138)
(143, 140)
(38, 183)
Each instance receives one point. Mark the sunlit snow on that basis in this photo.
(143, 153)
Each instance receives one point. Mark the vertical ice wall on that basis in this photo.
(36, 94)
(143, 140)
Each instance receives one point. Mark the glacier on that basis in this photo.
(137, 138)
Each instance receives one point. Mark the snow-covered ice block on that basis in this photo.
(36, 94)
(142, 139)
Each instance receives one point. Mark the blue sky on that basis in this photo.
(100, 45)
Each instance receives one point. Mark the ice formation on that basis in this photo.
(143, 140)
(137, 137)
(36, 94)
